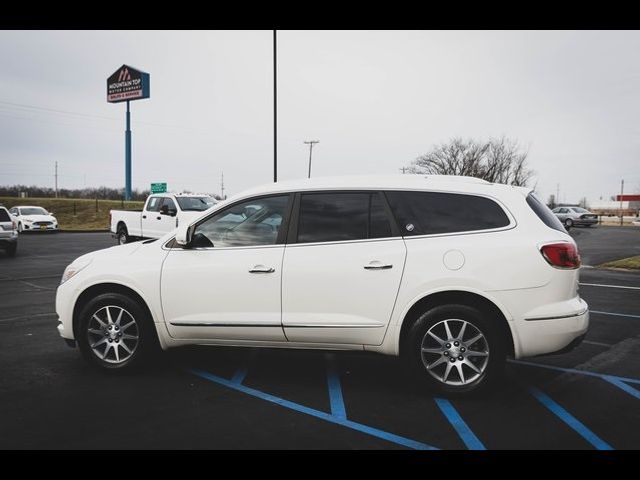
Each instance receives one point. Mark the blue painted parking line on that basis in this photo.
(615, 314)
(374, 432)
(569, 419)
(240, 374)
(623, 386)
(468, 437)
(604, 376)
(336, 400)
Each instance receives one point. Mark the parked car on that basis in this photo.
(32, 218)
(162, 213)
(453, 274)
(8, 232)
(571, 216)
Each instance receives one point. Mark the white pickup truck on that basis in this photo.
(162, 213)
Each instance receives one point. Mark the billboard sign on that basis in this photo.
(127, 83)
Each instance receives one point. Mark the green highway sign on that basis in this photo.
(158, 188)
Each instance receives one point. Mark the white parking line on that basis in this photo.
(609, 286)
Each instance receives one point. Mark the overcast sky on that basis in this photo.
(375, 100)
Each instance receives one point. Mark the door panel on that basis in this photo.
(210, 293)
(328, 296)
(150, 214)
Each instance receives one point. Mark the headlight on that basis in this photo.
(73, 269)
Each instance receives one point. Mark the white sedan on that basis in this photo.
(34, 218)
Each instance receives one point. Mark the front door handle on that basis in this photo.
(262, 269)
(144, 216)
(158, 218)
(376, 265)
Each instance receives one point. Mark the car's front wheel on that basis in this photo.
(116, 333)
(455, 349)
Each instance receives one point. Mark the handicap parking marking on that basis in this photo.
(464, 432)
(569, 419)
(397, 439)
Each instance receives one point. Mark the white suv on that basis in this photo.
(451, 273)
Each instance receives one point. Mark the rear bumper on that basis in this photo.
(8, 240)
(585, 221)
(552, 333)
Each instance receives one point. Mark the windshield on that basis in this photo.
(33, 211)
(580, 210)
(195, 204)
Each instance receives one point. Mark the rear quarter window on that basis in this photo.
(426, 213)
(544, 213)
(4, 215)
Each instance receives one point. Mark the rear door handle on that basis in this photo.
(376, 265)
(262, 269)
(158, 218)
(144, 216)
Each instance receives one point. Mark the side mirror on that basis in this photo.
(184, 234)
(164, 210)
(51, 213)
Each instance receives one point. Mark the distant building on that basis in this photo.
(630, 206)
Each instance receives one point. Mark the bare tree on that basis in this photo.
(497, 160)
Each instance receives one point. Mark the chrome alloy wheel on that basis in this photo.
(113, 334)
(455, 352)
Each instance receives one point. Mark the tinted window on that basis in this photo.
(153, 205)
(170, 204)
(422, 213)
(251, 223)
(4, 215)
(197, 204)
(33, 211)
(333, 217)
(543, 213)
(379, 226)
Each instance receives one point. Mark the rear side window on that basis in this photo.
(335, 217)
(4, 215)
(544, 213)
(153, 205)
(427, 213)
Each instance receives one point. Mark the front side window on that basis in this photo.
(251, 223)
(170, 204)
(14, 211)
(335, 217)
(427, 213)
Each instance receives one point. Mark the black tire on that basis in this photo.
(19, 227)
(491, 368)
(11, 250)
(568, 223)
(122, 236)
(144, 350)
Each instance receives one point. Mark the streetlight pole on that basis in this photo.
(275, 112)
(311, 143)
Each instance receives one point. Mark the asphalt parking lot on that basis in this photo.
(232, 398)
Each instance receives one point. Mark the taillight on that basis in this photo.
(14, 225)
(561, 255)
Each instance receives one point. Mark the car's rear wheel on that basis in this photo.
(455, 349)
(568, 223)
(122, 236)
(115, 333)
(19, 227)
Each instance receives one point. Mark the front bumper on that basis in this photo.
(545, 334)
(38, 228)
(64, 309)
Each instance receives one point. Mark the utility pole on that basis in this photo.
(557, 194)
(56, 175)
(275, 112)
(621, 194)
(311, 143)
(403, 169)
(222, 186)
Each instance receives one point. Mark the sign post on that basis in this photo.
(124, 85)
